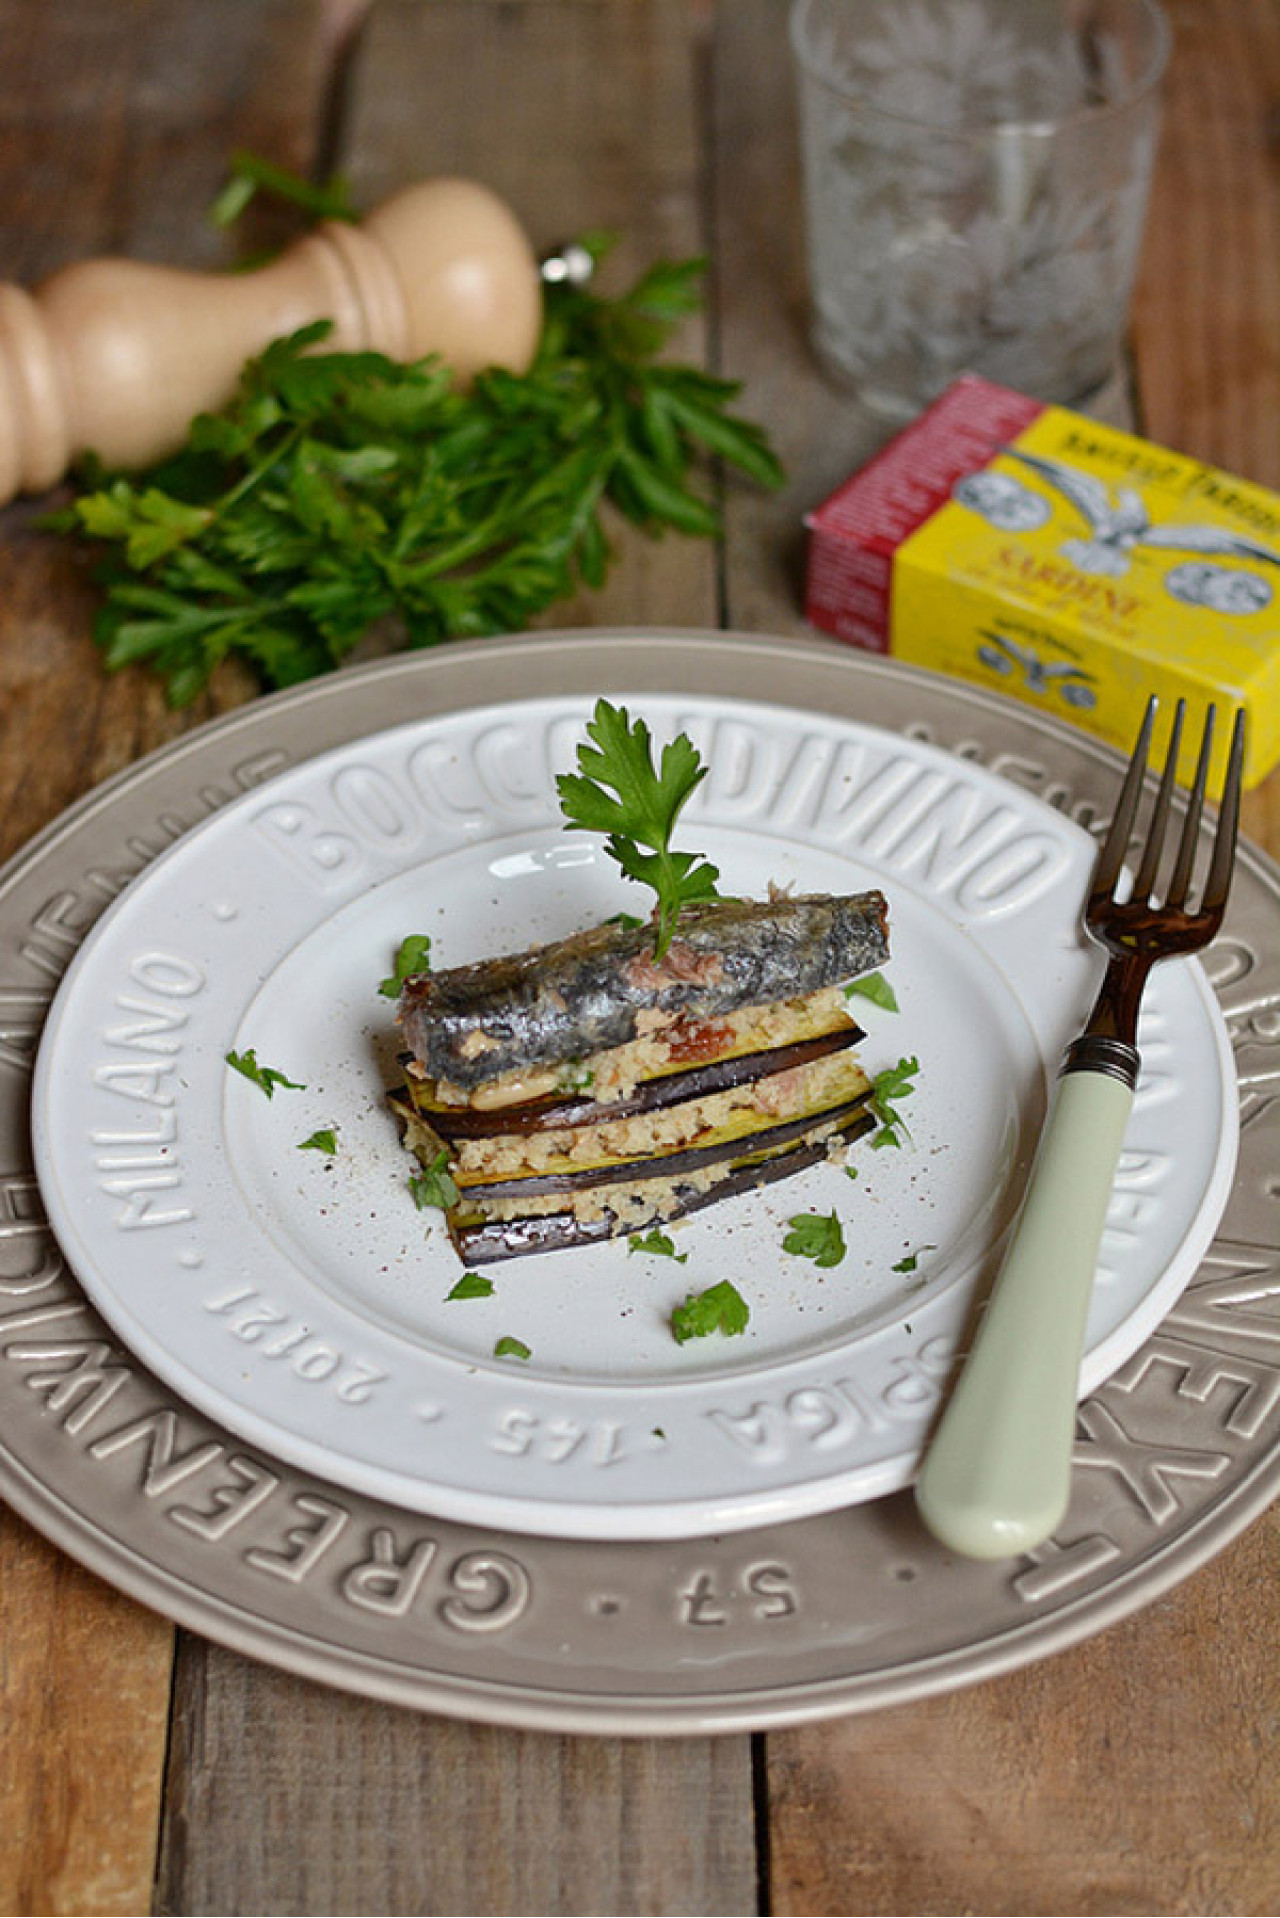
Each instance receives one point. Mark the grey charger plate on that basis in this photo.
(859, 1609)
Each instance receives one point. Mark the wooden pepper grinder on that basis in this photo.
(116, 356)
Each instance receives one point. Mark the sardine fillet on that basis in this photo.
(582, 995)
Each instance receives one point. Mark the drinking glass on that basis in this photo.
(976, 176)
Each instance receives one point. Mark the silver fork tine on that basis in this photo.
(1177, 894)
(1111, 858)
(1224, 848)
(1144, 885)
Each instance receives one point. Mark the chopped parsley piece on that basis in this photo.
(851, 1172)
(816, 1236)
(472, 1285)
(721, 1308)
(509, 1348)
(873, 986)
(659, 1243)
(413, 956)
(892, 1084)
(627, 920)
(433, 1186)
(911, 1261)
(265, 1076)
(325, 1140)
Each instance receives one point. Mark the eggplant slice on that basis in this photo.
(486, 1241)
(554, 1114)
(761, 1135)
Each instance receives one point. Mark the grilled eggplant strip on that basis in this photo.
(729, 1144)
(557, 1113)
(746, 1131)
(557, 1003)
(486, 1242)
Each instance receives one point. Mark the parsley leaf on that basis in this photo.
(658, 1242)
(433, 1186)
(266, 1077)
(413, 956)
(336, 491)
(472, 1285)
(873, 986)
(817, 1237)
(892, 1084)
(721, 1308)
(509, 1348)
(325, 1140)
(248, 174)
(618, 791)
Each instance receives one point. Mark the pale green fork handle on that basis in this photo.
(997, 1476)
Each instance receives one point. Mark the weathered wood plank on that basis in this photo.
(115, 126)
(1095, 1781)
(1207, 315)
(84, 1703)
(1135, 1773)
(819, 431)
(287, 1798)
(584, 118)
(283, 1797)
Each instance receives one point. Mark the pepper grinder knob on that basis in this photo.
(116, 356)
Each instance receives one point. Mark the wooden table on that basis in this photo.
(144, 1769)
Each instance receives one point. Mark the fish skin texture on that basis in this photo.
(582, 995)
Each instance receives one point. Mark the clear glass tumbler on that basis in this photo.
(976, 176)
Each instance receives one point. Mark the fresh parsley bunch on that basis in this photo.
(337, 490)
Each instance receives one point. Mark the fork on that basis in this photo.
(997, 1475)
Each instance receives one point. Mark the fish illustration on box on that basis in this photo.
(1049, 676)
(1119, 523)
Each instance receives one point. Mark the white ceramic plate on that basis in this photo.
(302, 1300)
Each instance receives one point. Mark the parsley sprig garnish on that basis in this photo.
(618, 791)
(337, 491)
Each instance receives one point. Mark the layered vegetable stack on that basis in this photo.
(591, 1087)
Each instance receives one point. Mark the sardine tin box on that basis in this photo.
(1072, 566)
